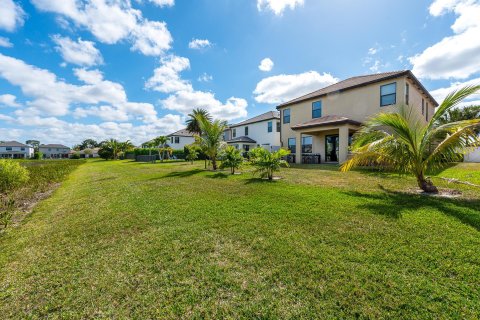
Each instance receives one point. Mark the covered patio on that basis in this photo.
(323, 140)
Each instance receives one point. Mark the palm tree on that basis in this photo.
(268, 162)
(192, 153)
(160, 143)
(193, 124)
(405, 143)
(210, 139)
(231, 158)
(115, 146)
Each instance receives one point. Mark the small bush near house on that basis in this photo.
(231, 158)
(12, 175)
(38, 155)
(105, 153)
(179, 154)
(76, 155)
(191, 152)
(268, 162)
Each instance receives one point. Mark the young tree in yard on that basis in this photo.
(267, 162)
(231, 158)
(191, 153)
(210, 140)
(160, 143)
(407, 144)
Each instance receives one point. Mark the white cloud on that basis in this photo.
(282, 88)
(113, 21)
(440, 93)
(12, 15)
(8, 100)
(456, 56)
(166, 78)
(278, 6)
(199, 44)
(185, 101)
(205, 78)
(372, 51)
(5, 42)
(266, 65)
(54, 97)
(80, 52)
(163, 3)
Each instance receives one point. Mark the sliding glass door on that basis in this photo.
(331, 148)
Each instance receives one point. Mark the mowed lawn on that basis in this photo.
(128, 240)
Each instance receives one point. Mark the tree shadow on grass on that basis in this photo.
(180, 174)
(219, 175)
(260, 180)
(393, 203)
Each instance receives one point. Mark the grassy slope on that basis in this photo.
(139, 240)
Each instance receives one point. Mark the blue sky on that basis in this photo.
(71, 70)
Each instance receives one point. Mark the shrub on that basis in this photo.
(268, 162)
(179, 154)
(231, 158)
(76, 155)
(12, 175)
(105, 153)
(38, 155)
(191, 153)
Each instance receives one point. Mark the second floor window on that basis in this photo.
(234, 133)
(426, 113)
(270, 126)
(8, 148)
(177, 139)
(317, 109)
(278, 126)
(286, 116)
(246, 131)
(423, 107)
(388, 94)
(292, 145)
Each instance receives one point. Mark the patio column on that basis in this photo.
(343, 144)
(298, 147)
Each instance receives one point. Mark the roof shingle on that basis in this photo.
(263, 117)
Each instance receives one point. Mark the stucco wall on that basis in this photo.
(259, 132)
(473, 156)
(182, 143)
(28, 151)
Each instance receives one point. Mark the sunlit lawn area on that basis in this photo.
(129, 240)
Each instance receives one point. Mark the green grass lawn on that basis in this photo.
(129, 240)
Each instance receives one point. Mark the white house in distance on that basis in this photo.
(54, 151)
(15, 150)
(180, 139)
(473, 156)
(260, 131)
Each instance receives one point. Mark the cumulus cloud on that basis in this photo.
(282, 88)
(113, 21)
(12, 15)
(80, 52)
(456, 56)
(440, 93)
(163, 3)
(266, 65)
(205, 77)
(278, 6)
(54, 97)
(198, 44)
(183, 98)
(185, 101)
(8, 100)
(166, 78)
(5, 42)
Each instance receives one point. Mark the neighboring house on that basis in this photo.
(54, 151)
(473, 156)
(181, 138)
(260, 131)
(15, 150)
(86, 153)
(319, 126)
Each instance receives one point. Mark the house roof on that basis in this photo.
(359, 81)
(53, 145)
(325, 121)
(263, 117)
(242, 139)
(14, 144)
(182, 133)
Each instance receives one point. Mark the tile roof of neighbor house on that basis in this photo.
(242, 139)
(325, 121)
(359, 81)
(14, 144)
(263, 117)
(182, 133)
(53, 145)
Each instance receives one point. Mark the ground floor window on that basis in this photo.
(307, 144)
(246, 147)
(292, 145)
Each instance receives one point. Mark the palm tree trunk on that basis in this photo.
(214, 164)
(426, 184)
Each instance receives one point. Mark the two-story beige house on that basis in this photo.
(318, 127)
